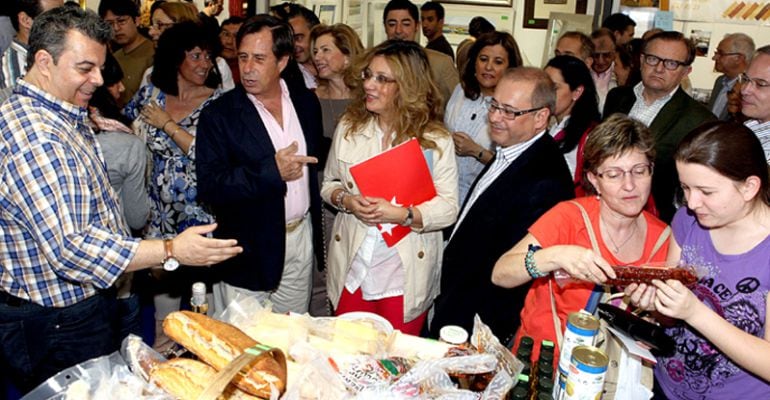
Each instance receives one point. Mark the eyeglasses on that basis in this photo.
(669, 64)
(638, 171)
(379, 78)
(161, 26)
(745, 80)
(719, 53)
(118, 22)
(508, 112)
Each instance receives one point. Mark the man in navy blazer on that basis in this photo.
(526, 178)
(256, 165)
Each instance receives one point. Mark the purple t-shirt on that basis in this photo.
(735, 286)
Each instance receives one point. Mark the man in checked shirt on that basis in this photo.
(63, 242)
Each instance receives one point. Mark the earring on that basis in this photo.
(598, 196)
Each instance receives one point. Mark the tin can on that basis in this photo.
(587, 369)
(581, 330)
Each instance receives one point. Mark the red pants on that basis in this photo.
(390, 308)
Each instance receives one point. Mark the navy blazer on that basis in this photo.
(674, 121)
(536, 181)
(239, 179)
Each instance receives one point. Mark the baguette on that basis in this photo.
(217, 344)
(186, 379)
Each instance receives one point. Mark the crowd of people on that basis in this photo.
(142, 153)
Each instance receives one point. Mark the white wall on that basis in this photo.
(703, 75)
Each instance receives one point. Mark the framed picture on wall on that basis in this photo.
(501, 3)
(536, 12)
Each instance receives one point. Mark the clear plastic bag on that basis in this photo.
(106, 377)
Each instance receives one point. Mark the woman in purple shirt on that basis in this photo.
(722, 347)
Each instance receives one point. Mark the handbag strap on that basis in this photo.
(661, 240)
(556, 322)
(595, 247)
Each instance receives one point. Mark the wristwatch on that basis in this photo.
(409, 217)
(169, 263)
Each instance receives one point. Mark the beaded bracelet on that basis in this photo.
(529, 262)
(340, 204)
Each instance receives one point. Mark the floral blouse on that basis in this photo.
(172, 181)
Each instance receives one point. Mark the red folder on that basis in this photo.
(400, 175)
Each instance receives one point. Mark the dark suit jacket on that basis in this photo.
(719, 83)
(238, 177)
(536, 181)
(441, 44)
(674, 121)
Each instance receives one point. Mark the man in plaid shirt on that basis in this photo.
(63, 242)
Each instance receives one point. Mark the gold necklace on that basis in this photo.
(618, 247)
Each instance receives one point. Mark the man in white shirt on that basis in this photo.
(731, 57)
(755, 95)
(527, 177)
(302, 20)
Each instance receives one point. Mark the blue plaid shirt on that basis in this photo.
(62, 236)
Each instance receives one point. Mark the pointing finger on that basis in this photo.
(305, 159)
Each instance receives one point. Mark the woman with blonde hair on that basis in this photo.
(335, 49)
(397, 101)
(165, 14)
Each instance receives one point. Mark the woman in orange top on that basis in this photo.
(617, 167)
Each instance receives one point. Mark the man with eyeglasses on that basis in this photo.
(527, 176)
(603, 67)
(400, 18)
(755, 97)
(660, 103)
(23, 13)
(136, 53)
(732, 56)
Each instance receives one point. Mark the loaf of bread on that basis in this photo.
(186, 379)
(217, 343)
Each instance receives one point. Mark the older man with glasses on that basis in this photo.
(603, 66)
(731, 57)
(527, 176)
(755, 97)
(660, 103)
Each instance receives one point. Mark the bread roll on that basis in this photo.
(186, 379)
(217, 344)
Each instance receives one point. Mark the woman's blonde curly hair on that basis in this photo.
(418, 102)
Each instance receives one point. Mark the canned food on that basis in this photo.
(581, 330)
(585, 380)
